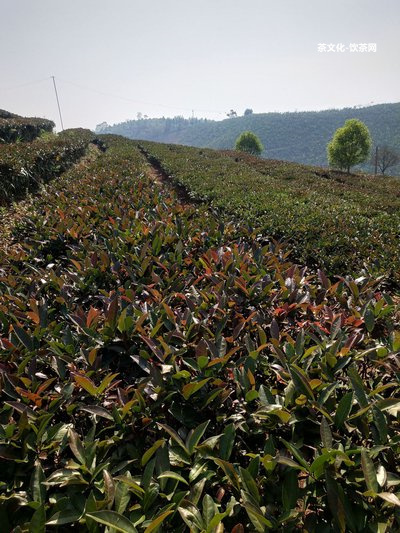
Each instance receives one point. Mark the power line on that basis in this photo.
(111, 95)
(23, 85)
(126, 99)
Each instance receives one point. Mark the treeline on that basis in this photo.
(299, 136)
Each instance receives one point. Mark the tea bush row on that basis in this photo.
(24, 166)
(343, 223)
(15, 129)
(163, 371)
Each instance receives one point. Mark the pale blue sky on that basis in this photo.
(167, 57)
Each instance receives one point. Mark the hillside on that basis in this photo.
(300, 136)
(166, 368)
(330, 219)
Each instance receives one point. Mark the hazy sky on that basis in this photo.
(114, 58)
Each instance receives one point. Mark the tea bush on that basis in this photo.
(24, 166)
(14, 128)
(343, 223)
(163, 371)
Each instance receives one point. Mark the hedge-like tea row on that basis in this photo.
(24, 166)
(343, 223)
(163, 372)
(7, 114)
(23, 129)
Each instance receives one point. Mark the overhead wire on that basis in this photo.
(12, 88)
(132, 100)
(127, 99)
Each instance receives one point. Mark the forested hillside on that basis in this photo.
(300, 137)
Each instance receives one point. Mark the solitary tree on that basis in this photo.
(249, 142)
(350, 145)
(384, 158)
(247, 112)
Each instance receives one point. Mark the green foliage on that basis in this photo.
(299, 136)
(328, 219)
(24, 166)
(249, 142)
(350, 145)
(162, 371)
(14, 128)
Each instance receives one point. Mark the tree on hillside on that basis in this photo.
(232, 114)
(249, 142)
(384, 158)
(350, 145)
(247, 112)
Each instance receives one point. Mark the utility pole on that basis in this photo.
(58, 102)
(376, 161)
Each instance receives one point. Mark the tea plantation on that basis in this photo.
(344, 223)
(165, 366)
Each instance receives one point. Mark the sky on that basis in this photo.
(112, 59)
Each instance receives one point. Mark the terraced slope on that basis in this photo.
(347, 224)
(162, 371)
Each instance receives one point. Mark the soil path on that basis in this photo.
(158, 174)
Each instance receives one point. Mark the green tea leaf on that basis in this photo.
(76, 446)
(195, 435)
(174, 435)
(227, 441)
(96, 410)
(157, 521)
(390, 498)
(369, 471)
(173, 475)
(249, 484)
(210, 509)
(86, 384)
(229, 471)
(67, 516)
(343, 409)
(37, 487)
(290, 489)
(301, 381)
(369, 319)
(326, 434)
(357, 386)
(191, 515)
(151, 451)
(38, 520)
(23, 337)
(113, 520)
(190, 388)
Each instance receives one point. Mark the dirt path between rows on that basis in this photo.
(158, 174)
(13, 215)
(155, 175)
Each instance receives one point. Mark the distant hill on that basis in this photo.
(300, 136)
